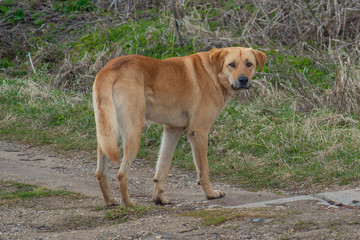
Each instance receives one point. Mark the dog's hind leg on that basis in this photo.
(101, 175)
(168, 144)
(131, 118)
(131, 145)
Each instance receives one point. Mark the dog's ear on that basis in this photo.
(217, 57)
(260, 58)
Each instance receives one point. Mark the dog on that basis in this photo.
(182, 93)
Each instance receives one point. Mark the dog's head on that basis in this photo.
(236, 66)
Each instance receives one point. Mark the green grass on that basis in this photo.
(259, 146)
(74, 6)
(35, 112)
(212, 217)
(145, 37)
(274, 146)
(16, 190)
(297, 71)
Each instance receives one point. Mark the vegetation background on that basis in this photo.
(297, 129)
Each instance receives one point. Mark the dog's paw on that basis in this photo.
(129, 203)
(162, 201)
(215, 194)
(112, 202)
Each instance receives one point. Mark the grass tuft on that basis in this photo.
(15, 190)
(123, 214)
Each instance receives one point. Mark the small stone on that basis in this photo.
(256, 220)
(278, 208)
(215, 206)
(356, 203)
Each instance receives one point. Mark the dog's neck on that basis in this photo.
(222, 86)
(227, 90)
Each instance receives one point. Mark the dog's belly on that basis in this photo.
(175, 116)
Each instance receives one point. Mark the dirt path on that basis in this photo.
(29, 165)
(78, 218)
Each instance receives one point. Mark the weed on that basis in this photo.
(73, 6)
(17, 16)
(5, 63)
(123, 214)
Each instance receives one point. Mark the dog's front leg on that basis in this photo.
(199, 142)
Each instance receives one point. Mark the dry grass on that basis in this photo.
(325, 32)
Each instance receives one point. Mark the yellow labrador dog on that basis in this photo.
(182, 93)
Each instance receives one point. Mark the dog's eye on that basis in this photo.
(232, 65)
(249, 64)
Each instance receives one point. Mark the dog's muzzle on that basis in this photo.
(242, 83)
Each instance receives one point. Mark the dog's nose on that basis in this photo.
(243, 80)
(242, 83)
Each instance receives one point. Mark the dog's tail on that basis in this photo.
(105, 116)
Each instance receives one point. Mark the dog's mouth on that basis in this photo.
(247, 86)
